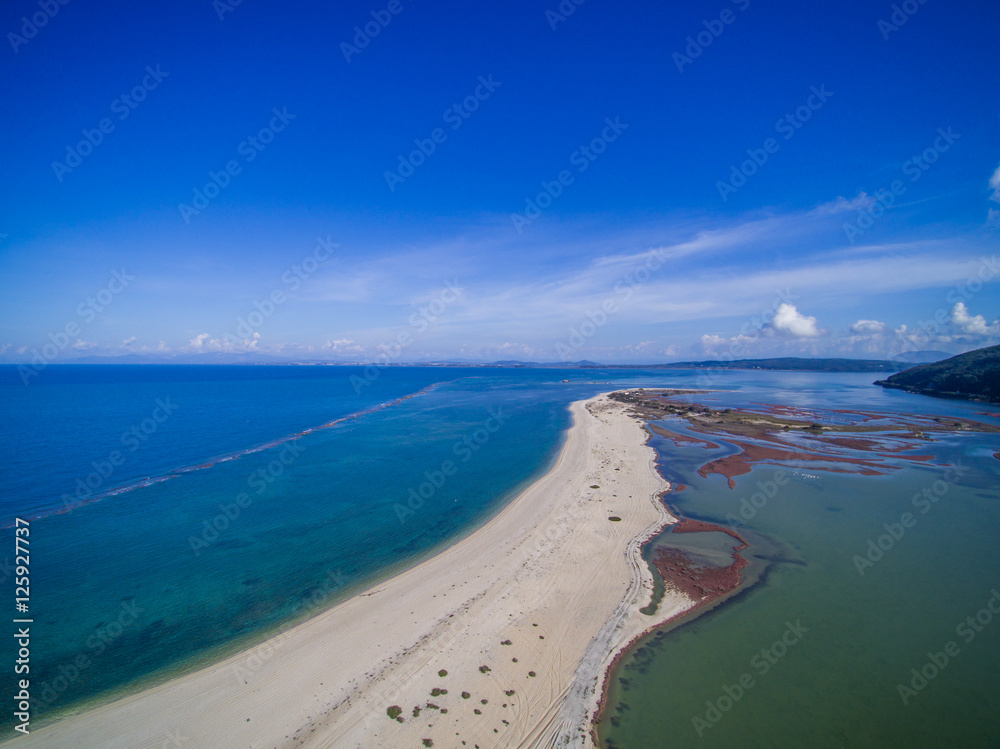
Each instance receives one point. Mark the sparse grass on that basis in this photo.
(442, 673)
(484, 669)
(509, 693)
(506, 642)
(531, 674)
(416, 712)
(477, 711)
(594, 486)
(466, 695)
(428, 742)
(614, 519)
(436, 692)
(394, 711)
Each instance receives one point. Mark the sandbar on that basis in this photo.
(503, 639)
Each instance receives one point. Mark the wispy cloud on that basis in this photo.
(993, 218)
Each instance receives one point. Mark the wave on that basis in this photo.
(68, 506)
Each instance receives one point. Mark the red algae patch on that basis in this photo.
(687, 525)
(879, 438)
(741, 462)
(700, 583)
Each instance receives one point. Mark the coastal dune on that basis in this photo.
(503, 639)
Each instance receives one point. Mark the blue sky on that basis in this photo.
(623, 182)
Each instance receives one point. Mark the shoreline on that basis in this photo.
(529, 611)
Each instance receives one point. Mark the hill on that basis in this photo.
(974, 375)
(793, 363)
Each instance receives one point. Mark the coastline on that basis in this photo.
(525, 615)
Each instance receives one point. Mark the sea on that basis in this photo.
(178, 514)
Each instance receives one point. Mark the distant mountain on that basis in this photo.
(793, 363)
(974, 375)
(254, 358)
(921, 357)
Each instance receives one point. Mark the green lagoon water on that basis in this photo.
(850, 639)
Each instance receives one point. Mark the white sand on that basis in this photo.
(550, 573)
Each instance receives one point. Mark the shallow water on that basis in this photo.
(727, 678)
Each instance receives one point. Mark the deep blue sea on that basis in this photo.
(178, 513)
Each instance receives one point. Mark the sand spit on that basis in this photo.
(503, 639)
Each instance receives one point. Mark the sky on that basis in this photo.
(415, 181)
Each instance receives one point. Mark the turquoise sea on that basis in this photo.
(179, 513)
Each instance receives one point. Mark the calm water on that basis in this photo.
(158, 578)
(849, 639)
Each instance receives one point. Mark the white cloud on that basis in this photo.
(204, 342)
(198, 342)
(129, 342)
(342, 344)
(788, 320)
(971, 325)
(81, 345)
(868, 327)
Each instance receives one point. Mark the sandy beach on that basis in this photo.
(503, 639)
